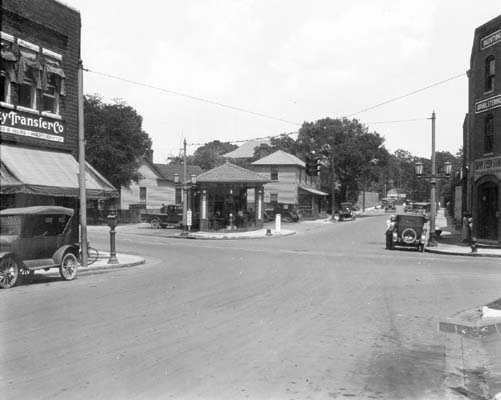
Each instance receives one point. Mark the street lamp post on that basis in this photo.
(433, 181)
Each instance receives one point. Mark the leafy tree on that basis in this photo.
(115, 140)
(347, 151)
(208, 156)
(283, 142)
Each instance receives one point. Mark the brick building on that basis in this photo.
(40, 52)
(482, 145)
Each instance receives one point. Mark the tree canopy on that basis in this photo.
(208, 156)
(349, 153)
(115, 140)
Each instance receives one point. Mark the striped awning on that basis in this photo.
(50, 173)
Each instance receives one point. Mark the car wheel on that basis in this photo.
(69, 267)
(155, 223)
(287, 218)
(9, 272)
(409, 236)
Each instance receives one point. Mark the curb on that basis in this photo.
(453, 253)
(107, 267)
(229, 237)
(470, 324)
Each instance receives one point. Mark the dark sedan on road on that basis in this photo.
(39, 237)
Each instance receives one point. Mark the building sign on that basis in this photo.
(25, 124)
(488, 104)
(490, 40)
(488, 166)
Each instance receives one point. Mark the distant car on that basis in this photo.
(409, 231)
(423, 208)
(39, 237)
(389, 205)
(287, 212)
(171, 217)
(347, 210)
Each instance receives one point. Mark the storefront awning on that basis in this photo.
(48, 173)
(312, 191)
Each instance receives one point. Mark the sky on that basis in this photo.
(291, 61)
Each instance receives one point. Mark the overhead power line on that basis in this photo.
(188, 96)
(406, 95)
(262, 115)
(396, 121)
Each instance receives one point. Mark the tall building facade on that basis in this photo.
(482, 145)
(40, 53)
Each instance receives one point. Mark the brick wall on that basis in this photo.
(477, 92)
(56, 27)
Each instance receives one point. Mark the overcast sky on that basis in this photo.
(292, 60)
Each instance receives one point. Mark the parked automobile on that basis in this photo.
(287, 212)
(169, 217)
(347, 210)
(39, 237)
(389, 205)
(408, 206)
(423, 208)
(409, 231)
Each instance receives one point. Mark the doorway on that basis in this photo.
(487, 225)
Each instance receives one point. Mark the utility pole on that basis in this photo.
(185, 192)
(433, 182)
(81, 164)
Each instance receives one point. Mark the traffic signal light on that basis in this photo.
(312, 165)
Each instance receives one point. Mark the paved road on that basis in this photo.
(324, 314)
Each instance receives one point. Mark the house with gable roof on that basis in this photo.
(290, 185)
(246, 150)
(156, 186)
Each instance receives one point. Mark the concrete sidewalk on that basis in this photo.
(101, 264)
(450, 242)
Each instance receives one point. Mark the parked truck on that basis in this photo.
(170, 216)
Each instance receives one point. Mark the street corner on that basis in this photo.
(478, 322)
(231, 235)
(106, 262)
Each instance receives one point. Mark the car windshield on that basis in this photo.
(10, 224)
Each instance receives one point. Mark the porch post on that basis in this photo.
(204, 222)
(259, 207)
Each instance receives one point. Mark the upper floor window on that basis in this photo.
(489, 134)
(490, 73)
(53, 82)
(7, 69)
(28, 76)
(274, 174)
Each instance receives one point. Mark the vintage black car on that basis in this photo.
(347, 210)
(409, 231)
(423, 208)
(170, 217)
(287, 212)
(39, 237)
(389, 204)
